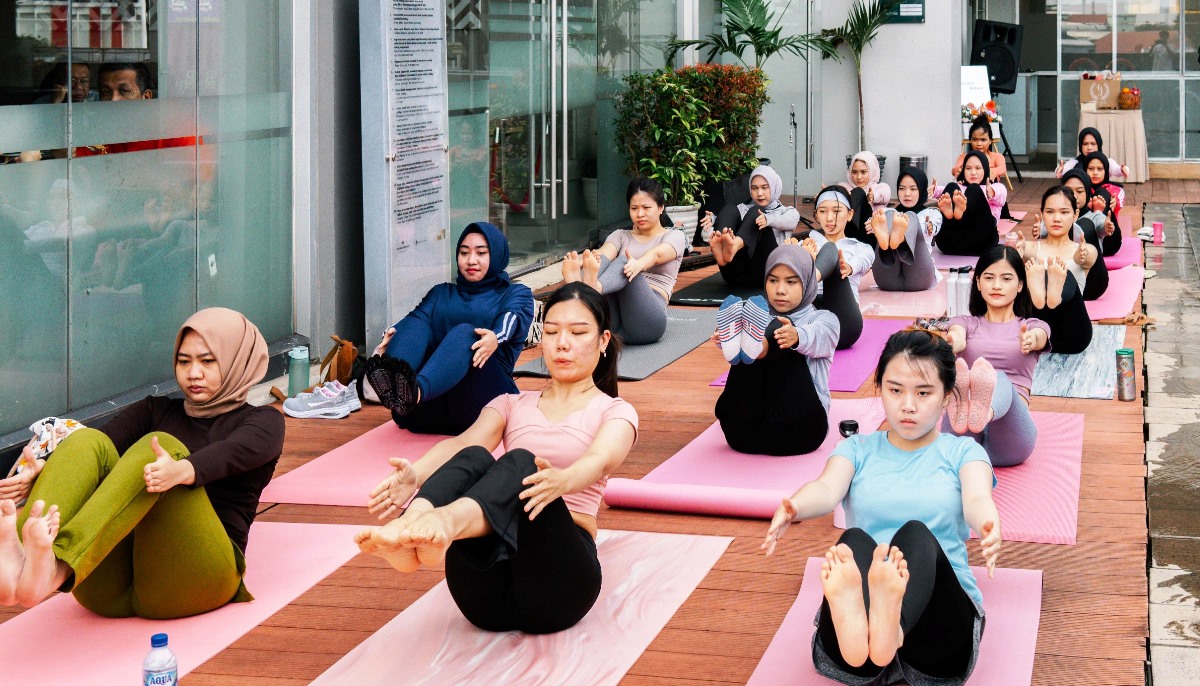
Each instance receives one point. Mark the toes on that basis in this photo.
(880, 553)
(894, 555)
(844, 552)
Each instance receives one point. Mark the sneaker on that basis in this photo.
(324, 401)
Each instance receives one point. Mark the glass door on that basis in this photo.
(541, 126)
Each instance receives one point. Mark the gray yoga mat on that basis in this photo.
(709, 292)
(686, 329)
(1090, 374)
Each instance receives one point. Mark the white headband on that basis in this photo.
(833, 195)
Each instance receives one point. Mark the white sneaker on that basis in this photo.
(327, 401)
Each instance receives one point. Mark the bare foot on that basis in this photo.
(733, 244)
(1035, 280)
(880, 229)
(591, 269)
(899, 229)
(717, 242)
(572, 267)
(12, 556)
(430, 536)
(842, 583)
(1056, 278)
(960, 204)
(886, 581)
(41, 572)
(387, 541)
(946, 206)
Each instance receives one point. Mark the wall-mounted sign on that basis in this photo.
(908, 12)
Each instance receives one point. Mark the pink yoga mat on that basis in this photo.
(346, 474)
(1124, 287)
(647, 576)
(1012, 603)
(944, 261)
(283, 561)
(1130, 253)
(709, 477)
(876, 302)
(1039, 499)
(851, 367)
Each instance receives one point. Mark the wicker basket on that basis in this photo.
(1130, 97)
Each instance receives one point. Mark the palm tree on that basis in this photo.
(752, 24)
(861, 27)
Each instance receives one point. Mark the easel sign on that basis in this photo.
(976, 89)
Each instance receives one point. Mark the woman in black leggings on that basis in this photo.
(970, 209)
(517, 533)
(745, 234)
(901, 602)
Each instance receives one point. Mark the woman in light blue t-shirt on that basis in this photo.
(901, 602)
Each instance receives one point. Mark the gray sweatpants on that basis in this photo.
(1010, 436)
(909, 267)
(639, 313)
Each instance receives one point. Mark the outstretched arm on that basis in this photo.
(979, 509)
(607, 451)
(814, 499)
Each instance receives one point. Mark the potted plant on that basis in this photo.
(970, 112)
(736, 97)
(661, 130)
(752, 24)
(861, 26)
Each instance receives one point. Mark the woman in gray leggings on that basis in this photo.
(636, 268)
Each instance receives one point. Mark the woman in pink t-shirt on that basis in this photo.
(998, 346)
(517, 533)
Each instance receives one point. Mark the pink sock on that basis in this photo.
(956, 409)
(983, 384)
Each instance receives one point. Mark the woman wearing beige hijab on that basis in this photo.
(149, 515)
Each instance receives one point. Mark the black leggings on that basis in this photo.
(748, 267)
(861, 211)
(936, 615)
(1070, 325)
(837, 296)
(537, 577)
(975, 232)
(1097, 276)
(771, 406)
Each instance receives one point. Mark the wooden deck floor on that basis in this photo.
(1094, 613)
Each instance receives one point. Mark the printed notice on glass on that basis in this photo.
(418, 138)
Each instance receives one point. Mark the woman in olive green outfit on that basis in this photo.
(149, 516)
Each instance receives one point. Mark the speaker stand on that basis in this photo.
(1012, 161)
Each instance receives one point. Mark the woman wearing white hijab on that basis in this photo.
(745, 234)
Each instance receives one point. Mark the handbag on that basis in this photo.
(338, 363)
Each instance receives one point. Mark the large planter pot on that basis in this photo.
(882, 162)
(685, 217)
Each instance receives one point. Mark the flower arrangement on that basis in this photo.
(970, 111)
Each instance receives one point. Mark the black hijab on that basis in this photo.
(1087, 159)
(922, 182)
(987, 169)
(1095, 134)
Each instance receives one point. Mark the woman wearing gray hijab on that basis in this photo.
(745, 234)
(776, 400)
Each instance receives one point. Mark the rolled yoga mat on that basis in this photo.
(59, 642)
(686, 329)
(1124, 287)
(1089, 374)
(346, 474)
(1039, 499)
(852, 366)
(709, 477)
(1012, 605)
(647, 576)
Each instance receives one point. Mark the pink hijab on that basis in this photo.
(241, 353)
(868, 158)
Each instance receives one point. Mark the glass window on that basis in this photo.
(1160, 112)
(1148, 36)
(170, 190)
(1191, 112)
(1069, 119)
(1086, 35)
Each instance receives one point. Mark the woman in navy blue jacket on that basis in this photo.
(438, 366)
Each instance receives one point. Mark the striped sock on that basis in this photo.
(729, 328)
(754, 328)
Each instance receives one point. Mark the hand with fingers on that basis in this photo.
(844, 266)
(484, 347)
(761, 220)
(786, 336)
(545, 485)
(633, 267)
(387, 338)
(1028, 340)
(779, 525)
(871, 194)
(388, 498)
(989, 545)
(17, 487)
(166, 472)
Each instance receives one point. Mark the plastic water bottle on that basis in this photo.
(952, 292)
(298, 369)
(160, 668)
(964, 290)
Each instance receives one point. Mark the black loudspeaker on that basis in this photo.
(998, 47)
